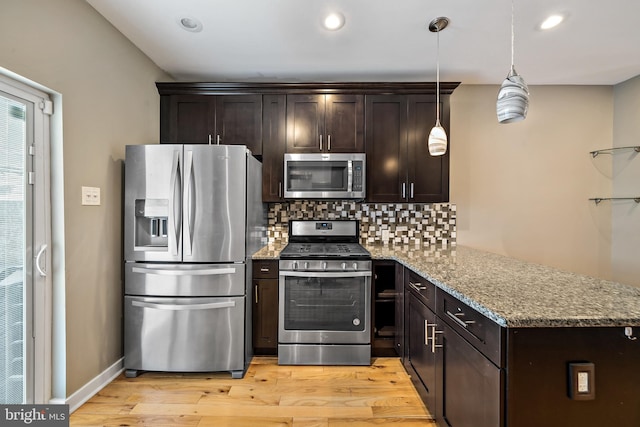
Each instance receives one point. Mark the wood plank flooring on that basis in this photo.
(269, 395)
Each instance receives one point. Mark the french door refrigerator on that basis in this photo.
(193, 216)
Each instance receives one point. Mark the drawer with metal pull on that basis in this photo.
(481, 332)
(421, 287)
(265, 269)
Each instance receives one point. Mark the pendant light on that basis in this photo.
(513, 98)
(437, 136)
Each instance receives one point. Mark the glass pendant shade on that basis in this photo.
(437, 140)
(513, 98)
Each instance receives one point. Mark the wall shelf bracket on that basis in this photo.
(595, 153)
(597, 200)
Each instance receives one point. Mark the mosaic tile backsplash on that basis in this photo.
(383, 223)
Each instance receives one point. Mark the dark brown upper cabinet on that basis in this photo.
(211, 119)
(400, 168)
(325, 123)
(391, 120)
(273, 147)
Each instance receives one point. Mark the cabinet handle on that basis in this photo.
(256, 294)
(404, 192)
(456, 318)
(417, 286)
(279, 189)
(426, 332)
(433, 339)
(218, 139)
(320, 142)
(264, 269)
(328, 142)
(209, 139)
(411, 190)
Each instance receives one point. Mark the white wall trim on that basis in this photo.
(91, 388)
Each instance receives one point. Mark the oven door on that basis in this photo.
(324, 307)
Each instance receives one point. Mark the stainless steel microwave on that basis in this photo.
(324, 175)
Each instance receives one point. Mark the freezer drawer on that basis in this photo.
(184, 280)
(184, 334)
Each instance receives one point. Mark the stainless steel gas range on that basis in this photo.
(324, 295)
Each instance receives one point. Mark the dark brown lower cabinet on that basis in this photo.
(471, 372)
(422, 358)
(265, 307)
(471, 385)
(538, 361)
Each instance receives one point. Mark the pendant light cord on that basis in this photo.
(438, 77)
(513, 38)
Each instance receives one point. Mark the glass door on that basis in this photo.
(15, 286)
(25, 286)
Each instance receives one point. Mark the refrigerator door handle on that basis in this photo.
(198, 272)
(176, 204)
(184, 307)
(189, 206)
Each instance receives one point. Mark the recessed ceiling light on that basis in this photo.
(334, 21)
(190, 24)
(551, 21)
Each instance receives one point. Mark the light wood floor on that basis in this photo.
(268, 395)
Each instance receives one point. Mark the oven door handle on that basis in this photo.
(341, 274)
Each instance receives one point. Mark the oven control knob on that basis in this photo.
(355, 265)
(344, 266)
(324, 265)
(356, 322)
(295, 265)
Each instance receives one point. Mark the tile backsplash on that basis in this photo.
(380, 223)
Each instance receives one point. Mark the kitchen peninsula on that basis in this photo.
(501, 341)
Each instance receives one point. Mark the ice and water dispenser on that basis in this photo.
(152, 222)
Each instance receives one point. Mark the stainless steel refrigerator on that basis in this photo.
(193, 216)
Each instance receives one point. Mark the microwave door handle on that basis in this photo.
(189, 206)
(175, 203)
(350, 175)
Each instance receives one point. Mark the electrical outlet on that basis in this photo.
(90, 196)
(582, 381)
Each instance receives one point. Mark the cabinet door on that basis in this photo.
(273, 132)
(305, 123)
(428, 176)
(386, 147)
(344, 124)
(187, 119)
(471, 384)
(239, 121)
(265, 316)
(421, 356)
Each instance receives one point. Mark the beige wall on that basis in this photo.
(109, 100)
(626, 183)
(521, 189)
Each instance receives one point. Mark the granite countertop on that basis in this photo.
(511, 292)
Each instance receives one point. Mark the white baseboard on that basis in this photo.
(88, 390)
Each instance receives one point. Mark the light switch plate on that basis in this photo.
(90, 196)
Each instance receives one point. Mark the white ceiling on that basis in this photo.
(384, 40)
